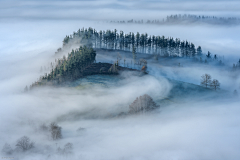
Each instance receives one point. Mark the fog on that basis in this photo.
(204, 128)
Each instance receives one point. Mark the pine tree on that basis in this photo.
(208, 55)
(199, 51)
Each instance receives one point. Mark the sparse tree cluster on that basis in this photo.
(23, 144)
(142, 104)
(217, 60)
(208, 82)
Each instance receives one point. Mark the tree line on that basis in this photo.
(142, 43)
(192, 18)
(179, 18)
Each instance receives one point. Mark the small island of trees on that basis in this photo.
(80, 62)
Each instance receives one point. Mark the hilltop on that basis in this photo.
(79, 63)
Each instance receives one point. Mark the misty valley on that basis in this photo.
(80, 81)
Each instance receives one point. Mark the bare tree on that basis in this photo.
(7, 149)
(215, 84)
(142, 104)
(24, 143)
(206, 80)
(56, 131)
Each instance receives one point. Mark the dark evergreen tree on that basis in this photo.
(199, 51)
(208, 55)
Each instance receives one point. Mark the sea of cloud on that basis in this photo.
(32, 31)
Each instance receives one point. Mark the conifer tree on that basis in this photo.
(208, 55)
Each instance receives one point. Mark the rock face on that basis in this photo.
(142, 104)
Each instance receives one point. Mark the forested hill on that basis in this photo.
(77, 64)
(68, 68)
(141, 43)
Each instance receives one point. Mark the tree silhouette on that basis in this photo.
(215, 84)
(142, 104)
(141, 43)
(206, 80)
(24, 144)
(56, 131)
